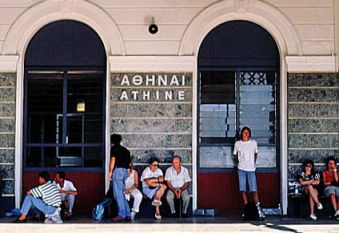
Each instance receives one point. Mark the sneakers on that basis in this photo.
(320, 206)
(54, 217)
(261, 214)
(157, 216)
(156, 202)
(336, 214)
(133, 213)
(313, 217)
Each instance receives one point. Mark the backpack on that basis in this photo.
(251, 212)
(99, 210)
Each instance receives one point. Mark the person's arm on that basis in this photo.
(255, 158)
(136, 179)
(185, 186)
(335, 175)
(68, 192)
(324, 179)
(304, 182)
(111, 166)
(170, 186)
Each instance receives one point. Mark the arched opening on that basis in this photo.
(64, 108)
(238, 85)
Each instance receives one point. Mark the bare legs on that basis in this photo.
(255, 197)
(158, 196)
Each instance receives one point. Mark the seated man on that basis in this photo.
(152, 184)
(67, 191)
(45, 197)
(178, 179)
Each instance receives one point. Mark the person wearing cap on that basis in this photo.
(119, 163)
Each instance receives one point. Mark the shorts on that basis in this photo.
(331, 190)
(150, 192)
(250, 177)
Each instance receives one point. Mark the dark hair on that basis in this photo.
(116, 139)
(153, 159)
(44, 175)
(306, 162)
(242, 131)
(331, 158)
(176, 156)
(62, 175)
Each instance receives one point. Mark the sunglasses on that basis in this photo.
(155, 165)
(308, 165)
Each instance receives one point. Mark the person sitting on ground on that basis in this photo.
(152, 184)
(45, 197)
(67, 192)
(178, 179)
(131, 188)
(310, 179)
(331, 183)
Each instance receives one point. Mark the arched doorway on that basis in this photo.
(238, 85)
(64, 108)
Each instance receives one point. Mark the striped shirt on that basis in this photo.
(49, 193)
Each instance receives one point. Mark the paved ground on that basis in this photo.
(196, 224)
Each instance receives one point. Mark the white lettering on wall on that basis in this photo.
(124, 96)
(181, 95)
(125, 80)
(145, 87)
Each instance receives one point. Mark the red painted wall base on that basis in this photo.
(220, 191)
(90, 186)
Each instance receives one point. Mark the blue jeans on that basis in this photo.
(250, 177)
(119, 177)
(30, 201)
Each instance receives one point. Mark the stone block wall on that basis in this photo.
(153, 126)
(7, 132)
(313, 119)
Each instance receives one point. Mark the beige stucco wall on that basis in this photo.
(313, 21)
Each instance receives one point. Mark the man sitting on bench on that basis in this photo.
(68, 193)
(178, 179)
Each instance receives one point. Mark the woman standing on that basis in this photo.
(310, 179)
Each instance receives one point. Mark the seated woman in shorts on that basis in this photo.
(331, 183)
(152, 184)
(310, 179)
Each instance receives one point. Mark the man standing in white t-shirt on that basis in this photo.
(67, 192)
(178, 179)
(246, 153)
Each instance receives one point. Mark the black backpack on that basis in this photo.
(251, 212)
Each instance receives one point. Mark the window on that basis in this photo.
(230, 100)
(65, 118)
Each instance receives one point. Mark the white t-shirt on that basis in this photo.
(246, 154)
(147, 174)
(68, 186)
(177, 180)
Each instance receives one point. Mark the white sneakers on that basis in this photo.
(261, 214)
(336, 213)
(313, 217)
(157, 216)
(53, 217)
(320, 206)
(156, 202)
(133, 215)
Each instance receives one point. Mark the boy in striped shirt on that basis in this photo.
(45, 197)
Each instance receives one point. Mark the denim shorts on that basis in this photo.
(150, 192)
(250, 177)
(331, 190)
